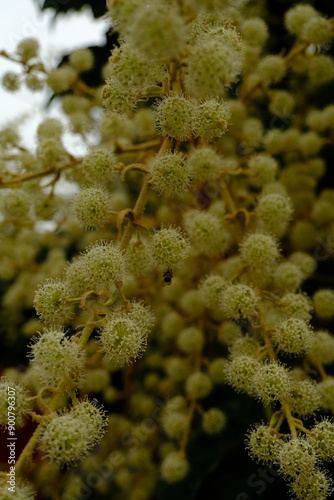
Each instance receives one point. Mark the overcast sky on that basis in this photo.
(22, 19)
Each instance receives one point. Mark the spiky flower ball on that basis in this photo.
(214, 115)
(263, 443)
(174, 424)
(99, 165)
(13, 401)
(323, 303)
(177, 117)
(170, 247)
(262, 169)
(92, 208)
(322, 439)
(206, 232)
(305, 398)
(239, 372)
(51, 303)
(198, 385)
(169, 174)
(259, 251)
(204, 164)
(293, 336)
(296, 305)
(54, 356)
(214, 421)
(69, 437)
(297, 457)
(239, 301)
(313, 484)
(322, 347)
(17, 203)
(271, 382)
(81, 60)
(210, 290)
(274, 212)
(174, 467)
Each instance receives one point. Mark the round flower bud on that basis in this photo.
(175, 424)
(229, 332)
(303, 235)
(296, 457)
(254, 31)
(50, 127)
(245, 345)
(51, 303)
(281, 103)
(96, 380)
(50, 151)
(117, 98)
(55, 356)
(320, 69)
(210, 290)
(92, 208)
(157, 32)
(238, 301)
(101, 267)
(214, 421)
(14, 399)
(99, 165)
(305, 398)
(288, 277)
(214, 115)
(206, 232)
(272, 69)
(176, 368)
(274, 212)
(328, 116)
(140, 261)
(239, 372)
(217, 370)
(11, 81)
(297, 16)
(323, 303)
(317, 30)
(322, 439)
(17, 203)
(263, 443)
(259, 251)
(61, 79)
(296, 305)
(313, 484)
(174, 467)
(322, 347)
(198, 385)
(177, 117)
(204, 164)
(190, 340)
(310, 143)
(170, 247)
(69, 437)
(306, 263)
(270, 382)
(27, 49)
(81, 60)
(326, 389)
(323, 212)
(169, 175)
(262, 169)
(191, 303)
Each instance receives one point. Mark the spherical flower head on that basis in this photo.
(296, 305)
(229, 332)
(81, 60)
(13, 400)
(69, 437)
(169, 174)
(271, 382)
(206, 232)
(317, 30)
(50, 302)
(174, 424)
(139, 258)
(272, 69)
(305, 398)
(50, 127)
(50, 151)
(204, 164)
(61, 79)
(190, 340)
(118, 98)
(214, 421)
(326, 389)
(170, 247)
(217, 369)
(54, 357)
(23, 490)
(274, 212)
(288, 277)
(174, 467)
(210, 290)
(259, 251)
(263, 443)
(158, 32)
(122, 339)
(306, 263)
(281, 103)
(239, 372)
(322, 347)
(198, 385)
(262, 169)
(323, 303)
(322, 439)
(92, 208)
(99, 165)
(27, 49)
(320, 70)
(10, 81)
(313, 484)
(296, 457)
(17, 203)
(239, 301)
(177, 117)
(254, 31)
(214, 115)
(297, 16)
